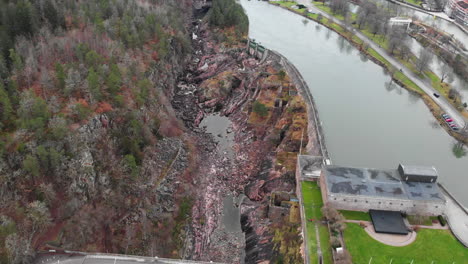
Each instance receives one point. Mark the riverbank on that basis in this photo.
(355, 38)
(439, 14)
(436, 111)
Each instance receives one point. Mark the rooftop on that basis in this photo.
(401, 19)
(463, 4)
(377, 183)
(419, 170)
(310, 166)
(388, 222)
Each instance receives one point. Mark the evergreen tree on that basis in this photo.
(93, 84)
(60, 74)
(114, 80)
(33, 113)
(6, 111)
(228, 13)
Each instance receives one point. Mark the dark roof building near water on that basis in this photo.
(380, 183)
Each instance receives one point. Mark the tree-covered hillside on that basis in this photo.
(83, 88)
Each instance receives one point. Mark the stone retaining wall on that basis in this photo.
(314, 129)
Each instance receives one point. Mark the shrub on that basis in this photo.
(31, 165)
(335, 242)
(260, 109)
(131, 164)
(442, 220)
(80, 112)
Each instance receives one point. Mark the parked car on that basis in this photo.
(436, 95)
(449, 120)
(445, 116)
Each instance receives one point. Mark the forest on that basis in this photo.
(82, 98)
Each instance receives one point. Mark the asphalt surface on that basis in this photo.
(457, 219)
(83, 258)
(457, 117)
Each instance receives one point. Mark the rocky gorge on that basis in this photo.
(224, 79)
(143, 175)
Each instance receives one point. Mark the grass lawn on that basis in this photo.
(286, 3)
(435, 80)
(327, 9)
(439, 246)
(313, 203)
(355, 215)
(414, 2)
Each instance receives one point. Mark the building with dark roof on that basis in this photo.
(417, 173)
(409, 189)
(389, 222)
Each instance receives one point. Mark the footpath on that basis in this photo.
(424, 85)
(457, 216)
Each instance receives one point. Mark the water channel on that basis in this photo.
(368, 122)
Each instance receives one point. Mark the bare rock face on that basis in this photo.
(80, 168)
(82, 173)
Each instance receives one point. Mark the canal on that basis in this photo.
(368, 121)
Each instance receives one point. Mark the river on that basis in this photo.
(367, 121)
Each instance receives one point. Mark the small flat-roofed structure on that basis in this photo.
(309, 167)
(389, 222)
(417, 173)
(363, 189)
(400, 21)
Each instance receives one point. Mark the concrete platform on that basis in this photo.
(391, 240)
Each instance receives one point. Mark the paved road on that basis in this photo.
(423, 84)
(441, 15)
(437, 14)
(457, 219)
(65, 258)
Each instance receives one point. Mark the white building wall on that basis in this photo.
(361, 203)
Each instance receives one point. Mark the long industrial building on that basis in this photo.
(408, 189)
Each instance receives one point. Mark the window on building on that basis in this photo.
(390, 203)
(401, 204)
(367, 201)
(355, 200)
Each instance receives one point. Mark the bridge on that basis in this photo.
(76, 257)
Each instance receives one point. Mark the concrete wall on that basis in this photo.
(365, 203)
(361, 203)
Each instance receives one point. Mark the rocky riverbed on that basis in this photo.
(256, 159)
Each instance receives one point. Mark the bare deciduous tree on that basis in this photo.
(446, 74)
(19, 249)
(424, 59)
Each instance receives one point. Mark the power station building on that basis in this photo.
(408, 189)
